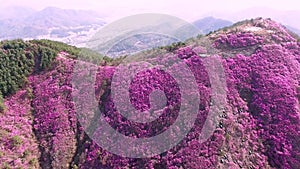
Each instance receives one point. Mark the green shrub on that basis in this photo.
(16, 141)
(174, 46)
(2, 106)
(33, 162)
(6, 166)
(19, 59)
(47, 56)
(26, 153)
(29, 93)
(16, 63)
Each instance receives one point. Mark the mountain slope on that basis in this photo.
(258, 127)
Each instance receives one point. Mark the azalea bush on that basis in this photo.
(238, 40)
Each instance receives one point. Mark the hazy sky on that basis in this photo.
(188, 9)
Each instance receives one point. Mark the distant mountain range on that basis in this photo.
(208, 24)
(73, 27)
(66, 25)
(76, 27)
(140, 38)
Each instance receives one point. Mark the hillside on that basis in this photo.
(258, 126)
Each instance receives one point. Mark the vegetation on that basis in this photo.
(16, 141)
(16, 63)
(19, 59)
(75, 53)
(173, 46)
(2, 106)
(89, 55)
(6, 166)
(47, 56)
(57, 46)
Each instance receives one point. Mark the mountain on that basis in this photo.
(246, 77)
(56, 17)
(141, 38)
(127, 36)
(66, 25)
(209, 24)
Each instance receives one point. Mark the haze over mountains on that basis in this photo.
(15, 12)
(70, 26)
(75, 27)
(208, 24)
(286, 17)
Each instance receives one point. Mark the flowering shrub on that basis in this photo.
(141, 86)
(266, 83)
(279, 30)
(18, 146)
(238, 40)
(275, 77)
(54, 123)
